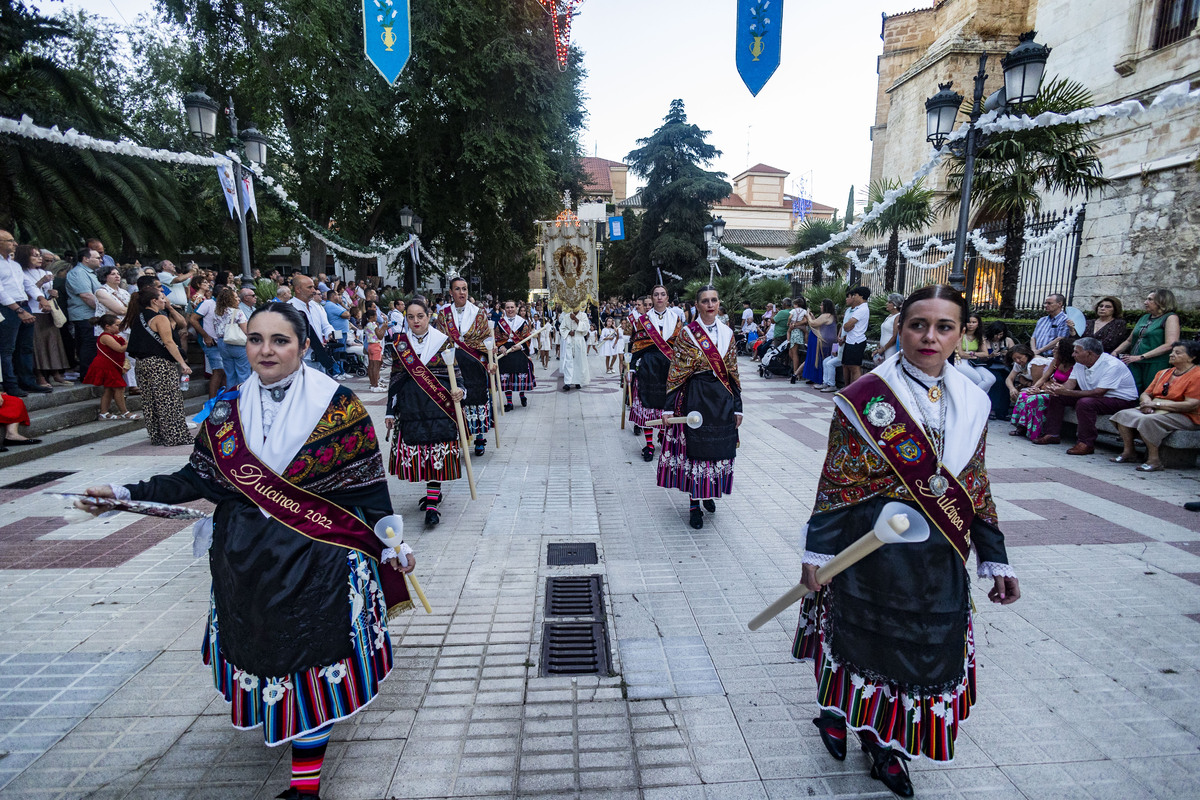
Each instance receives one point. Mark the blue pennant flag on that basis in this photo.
(386, 36)
(759, 36)
(616, 229)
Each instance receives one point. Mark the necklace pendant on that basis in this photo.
(278, 393)
(939, 485)
(935, 393)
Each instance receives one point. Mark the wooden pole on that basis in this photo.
(494, 389)
(462, 428)
(868, 543)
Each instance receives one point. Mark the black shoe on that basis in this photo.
(566, 387)
(883, 761)
(423, 504)
(793, 380)
(828, 724)
(647, 453)
(524, 401)
(696, 518)
(295, 794)
(22, 442)
(479, 446)
(16, 391)
(432, 517)
(710, 506)
(508, 407)
(1192, 506)
(39, 389)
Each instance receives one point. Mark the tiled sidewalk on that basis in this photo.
(1088, 686)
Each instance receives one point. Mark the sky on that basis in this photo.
(812, 119)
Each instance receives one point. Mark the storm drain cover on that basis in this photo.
(34, 481)
(574, 648)
(574, 596)
(565, 554)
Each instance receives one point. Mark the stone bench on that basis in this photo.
(1178, 450)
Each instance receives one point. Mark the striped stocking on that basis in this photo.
(308, 754)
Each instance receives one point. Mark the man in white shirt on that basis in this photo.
(16, 323)
(574, 329)
(1099, 384)
(852, 341)
(174, 283)
(747, 317)
(304, 293)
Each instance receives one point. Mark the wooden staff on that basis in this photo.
(494, 389)
(693, 420)
(624, 389)
(412, 577)
(448, 357)
(903, 526)
(530, 336)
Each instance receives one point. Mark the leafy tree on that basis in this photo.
(58, 195)
(768, 290)
(478, 134)
(813, 232)
(1012, 169)
(677, 196)
(912, 211)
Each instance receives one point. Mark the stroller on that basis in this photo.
(741, 344)
(775, 362)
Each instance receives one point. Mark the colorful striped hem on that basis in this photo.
(702, 480)
(420, 463)
(922, 726)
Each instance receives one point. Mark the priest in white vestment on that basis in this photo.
(573, 329)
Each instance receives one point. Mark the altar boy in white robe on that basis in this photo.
(573, 328)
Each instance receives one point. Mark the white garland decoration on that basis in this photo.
(25, 127)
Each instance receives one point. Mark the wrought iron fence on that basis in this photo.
(1050, 271)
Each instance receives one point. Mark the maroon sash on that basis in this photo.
(657, 337)
(422, 375)
(508, 331)
(710, 350)
(304, 512)
(909, 453)
(456, 335)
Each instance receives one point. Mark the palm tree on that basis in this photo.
(54, 194)
(1012, 169)
(812, 233)
(912, 211)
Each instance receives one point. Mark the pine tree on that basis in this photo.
(849, 209)
(677, 197)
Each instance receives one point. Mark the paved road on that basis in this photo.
(1088, 686)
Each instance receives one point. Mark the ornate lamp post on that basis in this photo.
(1024, 67)
(713, 234)
(410, 221)
(202, 113)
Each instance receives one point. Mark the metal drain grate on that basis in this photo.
(33, 481)
(565, 554)
(575, 596)
(574, 649)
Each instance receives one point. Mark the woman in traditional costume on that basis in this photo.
(516, 370)
(467, 326)
(703, 377)
(425, 442)
(653, 335)
(891, 637)
(297, 634)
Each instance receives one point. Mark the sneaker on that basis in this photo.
(828, 389)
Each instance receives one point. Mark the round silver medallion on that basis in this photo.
(881, 414)
(939, 485)
(220, 412)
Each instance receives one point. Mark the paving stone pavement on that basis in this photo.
(1088, 687)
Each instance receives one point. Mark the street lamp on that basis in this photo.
(714, 232)
(202, 113)
(409, 220)
(1024, 67)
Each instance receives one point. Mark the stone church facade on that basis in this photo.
(1144, 231)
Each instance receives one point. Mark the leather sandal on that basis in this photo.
(830, 728)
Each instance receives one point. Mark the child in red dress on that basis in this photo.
(108, 369)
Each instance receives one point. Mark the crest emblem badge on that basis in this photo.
(910, 451)
(228, 445)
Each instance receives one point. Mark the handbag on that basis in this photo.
(57, 315)
(235, 335)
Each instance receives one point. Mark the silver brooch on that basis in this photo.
(939, 485)
(881, 414)
(220, 412)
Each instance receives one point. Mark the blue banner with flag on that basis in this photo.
(759, 37)
(616, 229)
(386, 36)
